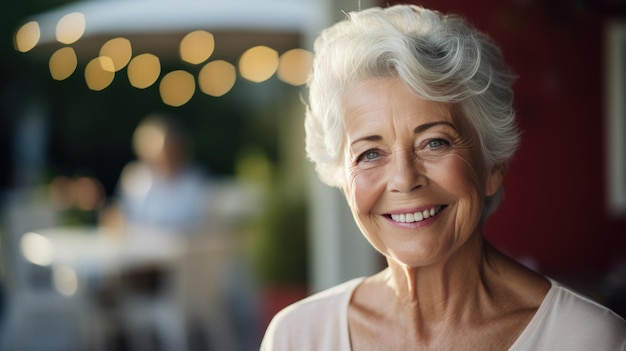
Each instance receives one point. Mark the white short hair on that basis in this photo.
(441, 57)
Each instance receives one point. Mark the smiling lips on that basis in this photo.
(416, 216)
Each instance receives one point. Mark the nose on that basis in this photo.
(406, 173)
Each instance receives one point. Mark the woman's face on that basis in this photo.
(415, 177)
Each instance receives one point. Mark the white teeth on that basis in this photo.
(417, 216)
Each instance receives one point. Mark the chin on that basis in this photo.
(416, 258)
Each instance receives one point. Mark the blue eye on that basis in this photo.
(369, 155)
(437, 143)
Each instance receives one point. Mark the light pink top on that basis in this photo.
(565, 320)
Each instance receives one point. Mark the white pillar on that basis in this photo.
(338, 250)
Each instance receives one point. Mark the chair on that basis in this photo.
(191, 297)
(204, 289)
(38, 317)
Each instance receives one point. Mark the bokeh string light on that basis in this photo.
(119, 50)
(214, 78)
(27, 37)
(144, 70)
(63, 63)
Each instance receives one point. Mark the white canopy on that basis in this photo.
(157, 24)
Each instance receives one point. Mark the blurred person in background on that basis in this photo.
(410, 114)
(165, 193)
(163, 190)
(160, 197)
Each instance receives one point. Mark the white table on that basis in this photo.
(95, 252)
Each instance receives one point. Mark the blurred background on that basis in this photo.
(154, 191)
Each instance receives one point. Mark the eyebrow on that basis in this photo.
(419, 129)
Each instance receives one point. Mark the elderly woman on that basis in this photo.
(410, 115)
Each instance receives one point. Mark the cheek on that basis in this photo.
(464, 175)
(461, 169)
(458, 176)
(363, 191)
(461, 179)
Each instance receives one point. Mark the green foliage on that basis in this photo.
(280, 249)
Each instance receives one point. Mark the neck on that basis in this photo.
(447, 289)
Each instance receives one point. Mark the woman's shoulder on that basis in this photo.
(321, 317)
(568, 320)
(322, 305)
(570, 303)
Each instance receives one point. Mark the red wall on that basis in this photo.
(554, 209)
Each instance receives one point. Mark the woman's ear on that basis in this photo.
(494, 180)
